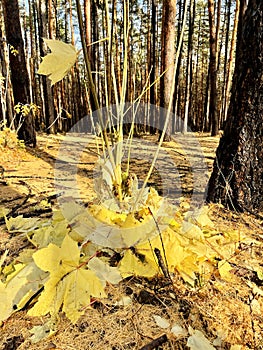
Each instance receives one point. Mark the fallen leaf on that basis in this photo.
(42, 332)
(191, 231)
(70, 285)
(104, 271)
(197, 341)
(161, 322)
(131, 265)
(178, 331)
(58, 63)
(123, 301)
(224, 269)
(21, 224)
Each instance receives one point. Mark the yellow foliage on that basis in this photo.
(22, 281)
(58, 63)
(8, 138)
(131, 265)
(25, 109)
(224, 269)
(176, 253)
(69, 285)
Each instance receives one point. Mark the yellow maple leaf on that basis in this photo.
(225, 269)
(69, 286)
(131, 265)
(58, 63)
(72, 293)
(18, 288)
(7, 295)
(58, 260)
(178, 254)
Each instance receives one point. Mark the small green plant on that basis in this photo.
(8, 138)
(25, 109)
(13, 50)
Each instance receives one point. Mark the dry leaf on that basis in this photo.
(197, 341)
(161, 322)
(58, 63)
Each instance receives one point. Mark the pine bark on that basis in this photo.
(19, 73)
(168, 56)
(237, 177)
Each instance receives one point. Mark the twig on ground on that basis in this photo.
(155, 343)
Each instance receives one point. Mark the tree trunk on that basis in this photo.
(177, 91)
(213, 70)
(189, 71)
(168, 56)
(152, 67)
(19, 74)
(6, 113)
(47, 89)
(223, 111)
(237, 178)
(87, 17)
(230, 61)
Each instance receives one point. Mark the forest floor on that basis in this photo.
(228, 312)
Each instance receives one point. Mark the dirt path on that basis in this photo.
(34, 172)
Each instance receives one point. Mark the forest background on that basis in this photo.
(148, 33)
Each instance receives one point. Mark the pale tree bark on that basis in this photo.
(237, 178)
(167, 59)
(87, 21)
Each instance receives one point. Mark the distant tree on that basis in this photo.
(189, 65)
(19, 74)
(6, 111)
(213, 69)
(237, 177)
(45, 29)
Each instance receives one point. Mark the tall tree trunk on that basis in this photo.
(225, 70)
(237, 178)
(168, 57)
(213, 70)
(87, 18)
(231, 61)
(46, 84)
(152, 67)
(189, 66)
(177, 90)
(6, 113)
(19, 73)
